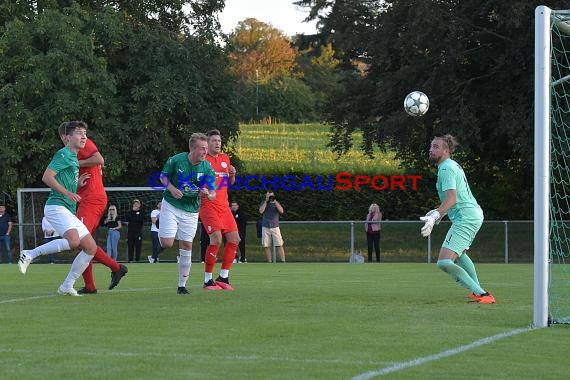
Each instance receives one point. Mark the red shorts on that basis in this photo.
(90, 214)
(214, 219)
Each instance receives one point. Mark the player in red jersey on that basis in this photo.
(91, 209)
(217, 217)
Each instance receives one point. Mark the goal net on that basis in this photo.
(552, 167)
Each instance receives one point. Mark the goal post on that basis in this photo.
(551, 169)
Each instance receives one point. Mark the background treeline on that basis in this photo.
(146, 74)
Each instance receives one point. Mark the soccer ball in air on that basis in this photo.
(416, 103)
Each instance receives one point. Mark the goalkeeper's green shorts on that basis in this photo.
(465, 226)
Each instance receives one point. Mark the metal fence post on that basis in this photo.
(429, 249)
(506, 241)
(351, 237)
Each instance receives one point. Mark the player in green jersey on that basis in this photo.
(465, 214)
(185, 175)
(62, 176)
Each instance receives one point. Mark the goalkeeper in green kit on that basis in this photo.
(465, 214)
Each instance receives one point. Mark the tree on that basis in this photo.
(141, 73)
(322, 74)
(259, 52)
(473, 60)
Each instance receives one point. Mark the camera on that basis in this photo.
(271, 198)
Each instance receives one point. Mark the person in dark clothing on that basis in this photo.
(241, 221)
(204, 241)
(134, 234)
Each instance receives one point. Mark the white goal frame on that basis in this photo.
(542, 150)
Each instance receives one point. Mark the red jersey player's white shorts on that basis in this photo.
(63, 220)
(176, 223)
(217, 219)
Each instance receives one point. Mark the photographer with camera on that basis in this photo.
(270, 208)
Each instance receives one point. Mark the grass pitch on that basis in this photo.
(283, 321)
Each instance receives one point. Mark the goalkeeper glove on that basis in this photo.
(432, 218)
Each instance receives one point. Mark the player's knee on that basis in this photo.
(444, 264)
(166, 243)
(74, 242)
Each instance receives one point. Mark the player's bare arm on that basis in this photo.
(93, 160)
(278, 206)
(210, 194)
(82, 180)
(49, 179)
(448, 202)
(232, 174)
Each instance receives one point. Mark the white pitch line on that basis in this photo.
(174, 355)
(430, 358)
(24, 299)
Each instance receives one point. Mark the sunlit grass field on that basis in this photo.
(289, 148)
(283, 321)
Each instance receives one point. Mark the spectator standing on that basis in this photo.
(5, 231)
(204, 241)
(271, 209)
(241, 221)
(113, 224)
(134, 232)
(154, 226)
(372, 228)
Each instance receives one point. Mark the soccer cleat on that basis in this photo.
(211, 285)
(86, 291)
(182, 290)
(24, 262)
(68, 292)
(150, 259)
(116, 276)
(224, 283)
(485, 298)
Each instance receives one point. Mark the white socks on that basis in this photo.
(77, 268)
(54, 246)
(184, 264)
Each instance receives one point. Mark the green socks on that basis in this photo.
(461, 275)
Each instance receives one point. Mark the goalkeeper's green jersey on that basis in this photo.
(450, 175)
(189, 179)
(66, 166)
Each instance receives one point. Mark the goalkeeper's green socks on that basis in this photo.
(460, 275)
(465, 262)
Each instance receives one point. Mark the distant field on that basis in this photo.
(284, 321)
(288, 148)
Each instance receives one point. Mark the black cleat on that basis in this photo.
(182, 290)
(87, 291)
(116, 276)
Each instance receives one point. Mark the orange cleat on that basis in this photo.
(485, 298)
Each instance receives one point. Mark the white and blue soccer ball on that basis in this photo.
(416, 103)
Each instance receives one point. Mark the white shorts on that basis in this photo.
(271, 234)
(63, 220)
(177, 224)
